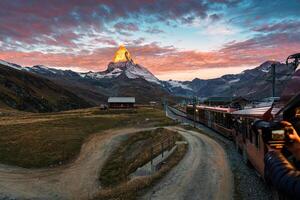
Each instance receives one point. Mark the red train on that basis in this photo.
(236, 125)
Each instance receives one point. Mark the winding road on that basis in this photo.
(77, 180)
(204, 173)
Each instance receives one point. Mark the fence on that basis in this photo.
(165, 144)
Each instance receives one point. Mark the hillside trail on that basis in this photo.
(76, 180)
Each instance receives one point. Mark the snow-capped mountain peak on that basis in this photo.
(129, 69)
(123, 64)
(133, 71)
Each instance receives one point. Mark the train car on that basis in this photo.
(217, 118)
(248, 142)
(236, 125)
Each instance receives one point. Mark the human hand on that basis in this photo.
(293, 147)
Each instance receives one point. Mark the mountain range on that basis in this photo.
(126, 78)
(27, 91)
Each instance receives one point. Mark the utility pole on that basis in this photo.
(194, 108)
(273, 79)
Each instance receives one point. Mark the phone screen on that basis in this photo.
(278, 135)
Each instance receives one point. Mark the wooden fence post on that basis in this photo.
(162, 149)
(151, 155)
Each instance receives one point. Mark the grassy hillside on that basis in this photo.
(29, 92)
(42, 140)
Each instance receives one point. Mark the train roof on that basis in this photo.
(216, 109)
(255, 112)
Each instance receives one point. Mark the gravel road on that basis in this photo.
(77, 180)
(204, 172)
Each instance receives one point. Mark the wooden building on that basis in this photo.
(218, 101)
(234, 102)
(121, 102)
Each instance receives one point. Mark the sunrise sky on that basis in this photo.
(174, 39)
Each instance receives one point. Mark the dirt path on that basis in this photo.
(78, 180)
(204, 173)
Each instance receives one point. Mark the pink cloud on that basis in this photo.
(168, 59)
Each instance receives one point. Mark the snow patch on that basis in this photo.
(175, 84)
(136, 71)
(43, 69)
(99, 75)
(234, 80)
(265, 70)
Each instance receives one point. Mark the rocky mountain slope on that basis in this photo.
(253, 83)
(26, 91)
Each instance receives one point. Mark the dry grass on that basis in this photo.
(134, 152)
(43, 140)
(134, 188)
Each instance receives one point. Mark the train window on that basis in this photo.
(250, 135)
(230, 123)
(239, 127)
(221, 119)
(205, 115)
(226, 123)
(250, 130)
(245, 130)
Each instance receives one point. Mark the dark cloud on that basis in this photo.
(25, 21)
(263, 47)
(106, 40)
(154, 30)
(215, 17)
(284, 26)
(135, 42)
(123, 26)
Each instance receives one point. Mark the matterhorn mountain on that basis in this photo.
(123, 64)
